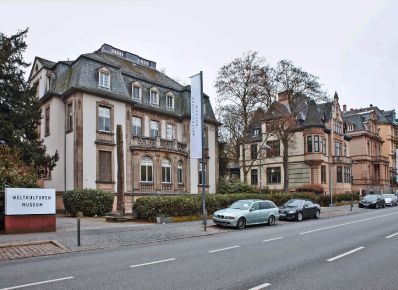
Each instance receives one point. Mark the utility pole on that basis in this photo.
(120, 208)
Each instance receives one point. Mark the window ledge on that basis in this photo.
(68, 131)
(105, 132)
(105, 181)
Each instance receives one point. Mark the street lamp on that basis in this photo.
(259, 151)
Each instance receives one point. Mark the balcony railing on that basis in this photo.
(167, 187)
(375, 159)
(370, 181)
(341, 159)
(379, 159)
(147, 187)
(158, 143)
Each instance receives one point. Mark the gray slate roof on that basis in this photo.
(358, 117)
(82, 74)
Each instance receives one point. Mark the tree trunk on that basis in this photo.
(120, 171)
(244, 163)
(285, 165)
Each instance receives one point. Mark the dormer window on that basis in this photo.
(350, 127)
(154, 96)
(137, 91)
(169, 101)
(256, 132)
(104, 79)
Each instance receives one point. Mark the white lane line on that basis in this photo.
(151, 263)
(345, 254)
(38, 283)
(345, 224)
(269, 240)
(259, 287)
(390, 236)
(219, 250)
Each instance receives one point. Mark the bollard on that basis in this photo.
(78, 231)
(352, 203)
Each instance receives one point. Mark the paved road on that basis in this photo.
(349, 252)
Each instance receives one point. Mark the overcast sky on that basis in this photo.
(352, 46)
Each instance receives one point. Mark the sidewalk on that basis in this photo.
(96, 233)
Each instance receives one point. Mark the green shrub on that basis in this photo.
(235, 186)
(149, 207)
(89, 201)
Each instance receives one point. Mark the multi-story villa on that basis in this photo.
(374, 135)
(319, 151)
(84, 100)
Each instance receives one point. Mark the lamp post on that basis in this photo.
(259, 151)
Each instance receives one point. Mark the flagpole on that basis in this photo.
(203, 160)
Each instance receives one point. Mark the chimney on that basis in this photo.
(344, 108)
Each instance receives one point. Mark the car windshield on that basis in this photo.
(241, 204)
(294, 203)
(370, 197)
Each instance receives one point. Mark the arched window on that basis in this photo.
(146, 170)
(180, 172)
(166, 171)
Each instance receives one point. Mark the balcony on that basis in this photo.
(158, 144)
(371, 181)
(379, 159)
(314, 158)
(341, 159)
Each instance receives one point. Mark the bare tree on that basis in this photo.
(242, 85)
(296, 87)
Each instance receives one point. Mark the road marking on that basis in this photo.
(219, 250)
(390, 236)
(38, 283)
(151, 263)
(259, 287)
(345, 254)
(269, 240)
(345, 224)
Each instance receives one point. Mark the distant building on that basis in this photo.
(319, 153)
(374, 134)
(82, 102)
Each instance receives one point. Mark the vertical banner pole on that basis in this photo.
(203, 160)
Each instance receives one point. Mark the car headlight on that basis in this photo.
(230, 217)
(292, 211)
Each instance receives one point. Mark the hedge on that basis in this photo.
(89, 201)
(150, 207)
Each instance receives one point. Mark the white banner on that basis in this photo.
(26, 201)
(196, 116)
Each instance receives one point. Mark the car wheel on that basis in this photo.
(376, 206)
(384, 205)
(241, 224)
(271, 220)
(317, 214)
(299, 216)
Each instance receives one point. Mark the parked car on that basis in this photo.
(247, 212)
(299, 209)
(372, 201)
(390, 199)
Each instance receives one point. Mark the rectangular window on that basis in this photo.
(253, 151)
(254, 177)
(166, 174)
(347, 175)
(309, 144)
(136, 126)
(169, 131)
(275, 148)
(137, 93)
(47, 121)
(202, 175)
(104, 119)
(337, 148)
(324, 146)
(273, 175)
(345, 150)
(179, 173)
(69, 117)
(323, 173)
(316, 143)
(146, 172)
(104, 79)
(105, 166)
(339, 174)
(170, 102)
(154, 128)
(256, 132)
(154, 97)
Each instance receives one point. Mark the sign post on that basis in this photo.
(197, 134)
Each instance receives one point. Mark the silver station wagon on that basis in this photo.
(247, 212)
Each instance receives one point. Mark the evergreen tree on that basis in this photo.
(20, 112)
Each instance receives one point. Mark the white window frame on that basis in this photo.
(104, 117)
(150, 128)
(133, 126)
(166, 167)
(147, 162)
(180, 172)
(137, 85)
(101, 81)
(151, 91)
(170, 129)
(170, 95)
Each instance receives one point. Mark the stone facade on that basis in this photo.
(88, 97)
